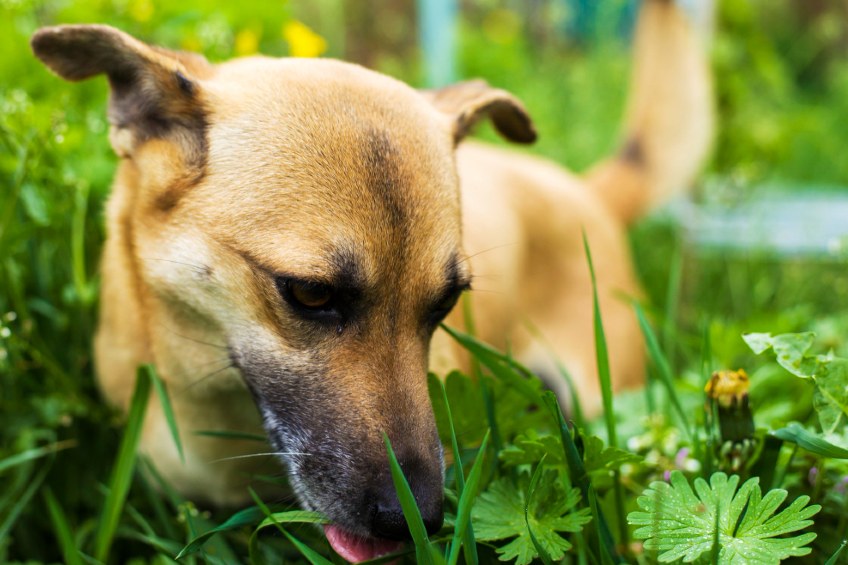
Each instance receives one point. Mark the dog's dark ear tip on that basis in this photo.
(520, 129)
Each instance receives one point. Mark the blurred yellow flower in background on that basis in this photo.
(141, 10)
(303, 42)
(246, 42)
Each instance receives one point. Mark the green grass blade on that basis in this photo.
(457, 455)
(502, 366)
(469, 545)
(463, 528)
(35, 453)
(122, 471)
(424, 551)
(601, 353)
(605, 378)
(62, 529)
(477, 373)
(832, 560)
(241, 518)
(313, 557)
(575, 405)
(663, 368)
(672, 298)
(226, 434)
(167, 409)
(534, 482)
(580, 478)
(275, 518)
(21, 503)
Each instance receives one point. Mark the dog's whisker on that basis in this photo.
(467, 257)
(268, 454)
(201, 342)
(199, 268)
(229, 365)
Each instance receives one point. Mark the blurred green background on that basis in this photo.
(781, 80)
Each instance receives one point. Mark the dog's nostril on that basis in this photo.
(390, 523)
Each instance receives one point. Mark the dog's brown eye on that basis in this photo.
(309, 295)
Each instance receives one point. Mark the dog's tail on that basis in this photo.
(669, 117)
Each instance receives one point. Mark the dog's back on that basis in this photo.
(524, 218)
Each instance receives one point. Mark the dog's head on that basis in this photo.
(305, 213)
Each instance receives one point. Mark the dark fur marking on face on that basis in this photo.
(347, 269)
(381, 161)
(168, 199)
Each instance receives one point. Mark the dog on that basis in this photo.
(300, 228)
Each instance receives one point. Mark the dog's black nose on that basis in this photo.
(390, 523)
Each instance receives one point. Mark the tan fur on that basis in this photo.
(270, 169)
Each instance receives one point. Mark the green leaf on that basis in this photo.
(811, 441)
(790, 350)
(597, 457)
(830, 399)
(500, 514)
(681, 524)
(530, 447)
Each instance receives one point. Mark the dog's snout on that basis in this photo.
(426, 484)
(390, 523)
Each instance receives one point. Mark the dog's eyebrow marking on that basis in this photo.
(347, 268)
(381, 159)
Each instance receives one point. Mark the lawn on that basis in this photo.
(769, 465)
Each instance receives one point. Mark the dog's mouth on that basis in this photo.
(356, 548)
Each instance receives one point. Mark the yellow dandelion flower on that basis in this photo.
(303, 42)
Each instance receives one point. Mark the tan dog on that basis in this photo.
(295, 229)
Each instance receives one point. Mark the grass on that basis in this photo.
(74, 489)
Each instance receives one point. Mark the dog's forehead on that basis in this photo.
(327, 155)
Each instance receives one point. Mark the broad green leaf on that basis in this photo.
(500, 514)
(681, 524)
(790, 350)
(831, 398)
(597, 457)
(530, 447)
(811, 441)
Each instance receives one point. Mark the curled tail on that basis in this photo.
(668, 127)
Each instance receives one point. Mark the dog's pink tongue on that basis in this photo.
(355, 548)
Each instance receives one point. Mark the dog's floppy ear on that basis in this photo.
(154, 91)
(469, 102)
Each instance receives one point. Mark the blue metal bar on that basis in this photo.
(437, 21)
